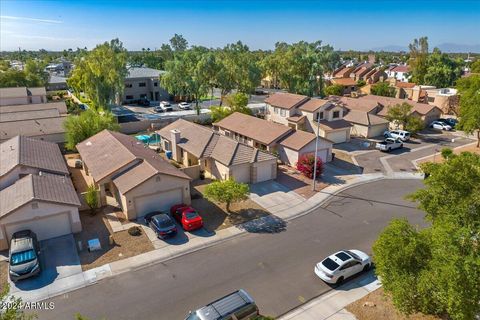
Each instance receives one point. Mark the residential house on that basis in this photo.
(289, 143)
(361, 70)
(56, 83)
(399, 72)
(22, 95)
(136, 177)
(219, 157)
(36, 192)
(144, 83)
(447, 99)
(304, 113)
(349, 84)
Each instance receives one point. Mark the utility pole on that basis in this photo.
(315, 155)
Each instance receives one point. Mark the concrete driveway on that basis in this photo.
(60, 268)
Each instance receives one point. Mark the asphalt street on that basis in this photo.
(275, 268)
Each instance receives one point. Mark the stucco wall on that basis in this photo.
(45, 209)
(13, 101)
(152, 186)
(241, 173)
(10, 178)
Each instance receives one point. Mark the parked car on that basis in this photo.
(342, 265)
(185, 106)
(162, 224)
(397, 134)
(440, 126)
(452, 122)
(389, 144)
(187, 217)
(166, 106)
(24, 254)
(143, 102)
(236, 305)
(158, 109)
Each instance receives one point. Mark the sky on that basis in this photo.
(347, 24)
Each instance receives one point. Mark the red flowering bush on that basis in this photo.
(306, 165)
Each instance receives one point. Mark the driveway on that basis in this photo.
(61, 268)
(182, 237)
(401, 160)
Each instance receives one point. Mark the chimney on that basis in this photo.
(175, 139)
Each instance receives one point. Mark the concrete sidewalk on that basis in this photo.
(283, 204)
(332, 304)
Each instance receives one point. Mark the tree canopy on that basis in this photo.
(101, 73)
(436, 270)
(87, 124)
(33, 75)
(401, 115)
(235, 102)
(469, 91)
(383, 89)
(334, 90)
(227, 191)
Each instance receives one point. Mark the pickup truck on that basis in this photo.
(389, 144)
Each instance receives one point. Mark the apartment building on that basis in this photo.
(144, 83)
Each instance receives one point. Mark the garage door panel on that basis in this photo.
(161, 201)
(264, 172)
(337, 136)
(45, 227)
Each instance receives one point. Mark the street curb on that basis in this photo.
(415, 161)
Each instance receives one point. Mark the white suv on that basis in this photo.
(397, 134)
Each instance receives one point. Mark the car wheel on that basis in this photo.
(366, 268)
(340, 280)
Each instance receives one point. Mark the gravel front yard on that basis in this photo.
(3, 274)
(376, 305)
(98, 227)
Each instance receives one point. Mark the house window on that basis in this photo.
(128, 85)
(319, 116)
(276, 110)
(336, 114)
(129, 97)
(167, 145)
(142, 84)
(155, 84)
(282, 112)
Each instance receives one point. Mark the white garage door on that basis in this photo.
(322, 154)
(264, 172)
(337, 136)
(45, 228)
(378, 130)
(161, 201)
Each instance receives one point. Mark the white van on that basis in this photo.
(238, 305)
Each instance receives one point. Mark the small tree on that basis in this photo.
(446, 153)
(361, 83)
(91, 198)
(334, 90)
(414, 124)
(9, 309)
(469, 89)
(306, 165)
(383, 89)
(227, 191)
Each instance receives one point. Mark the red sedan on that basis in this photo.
(187, 217)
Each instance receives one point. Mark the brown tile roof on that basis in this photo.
(408, 85)
(265, 132)
(364, 118)
(47, 187)
(33, 153)
(38, 91)
(28, 115)
(344, 81)
(400, 69)
(17, 92)
(296, 118)
(60, 106)
(32, 128)
(421, 108)
(107, 152)
(313, 104)
(360, 104)
(345, 72)
(285, 100)
(362, 69)
(223, 149)
(297, 140)
(333, 125)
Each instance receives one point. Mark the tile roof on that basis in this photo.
(366, 105)
(107, 152)
(28, 115)
(60, 106)
(313, 104)
(221, 148)
(298, 140)
(32, 128)
(400, 68)
(255, 128)
(421, 108)
(345, 81)
(296, 118)
(333, 125)
(285, 100)
(17, 92)
(33, 153)
(46, 187)
(409, 85)
(345, 72)
(143, 72)
(364, 118)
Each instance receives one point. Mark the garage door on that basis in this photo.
(322, 154)
(337, 136)
(45, 228)
(264, 172)
(378, 130)
(161, 201)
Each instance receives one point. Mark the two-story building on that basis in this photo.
(144, 83)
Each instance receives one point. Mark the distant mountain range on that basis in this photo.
(444, 47)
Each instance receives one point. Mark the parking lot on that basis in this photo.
(400, 160)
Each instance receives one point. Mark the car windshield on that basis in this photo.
(22, 257)
(354, 255)
(193, 316)
(191, 215)
(165, 224)
(330, 264)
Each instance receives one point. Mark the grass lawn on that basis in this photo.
(383, 309)
(215, 216)
(98, 227)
